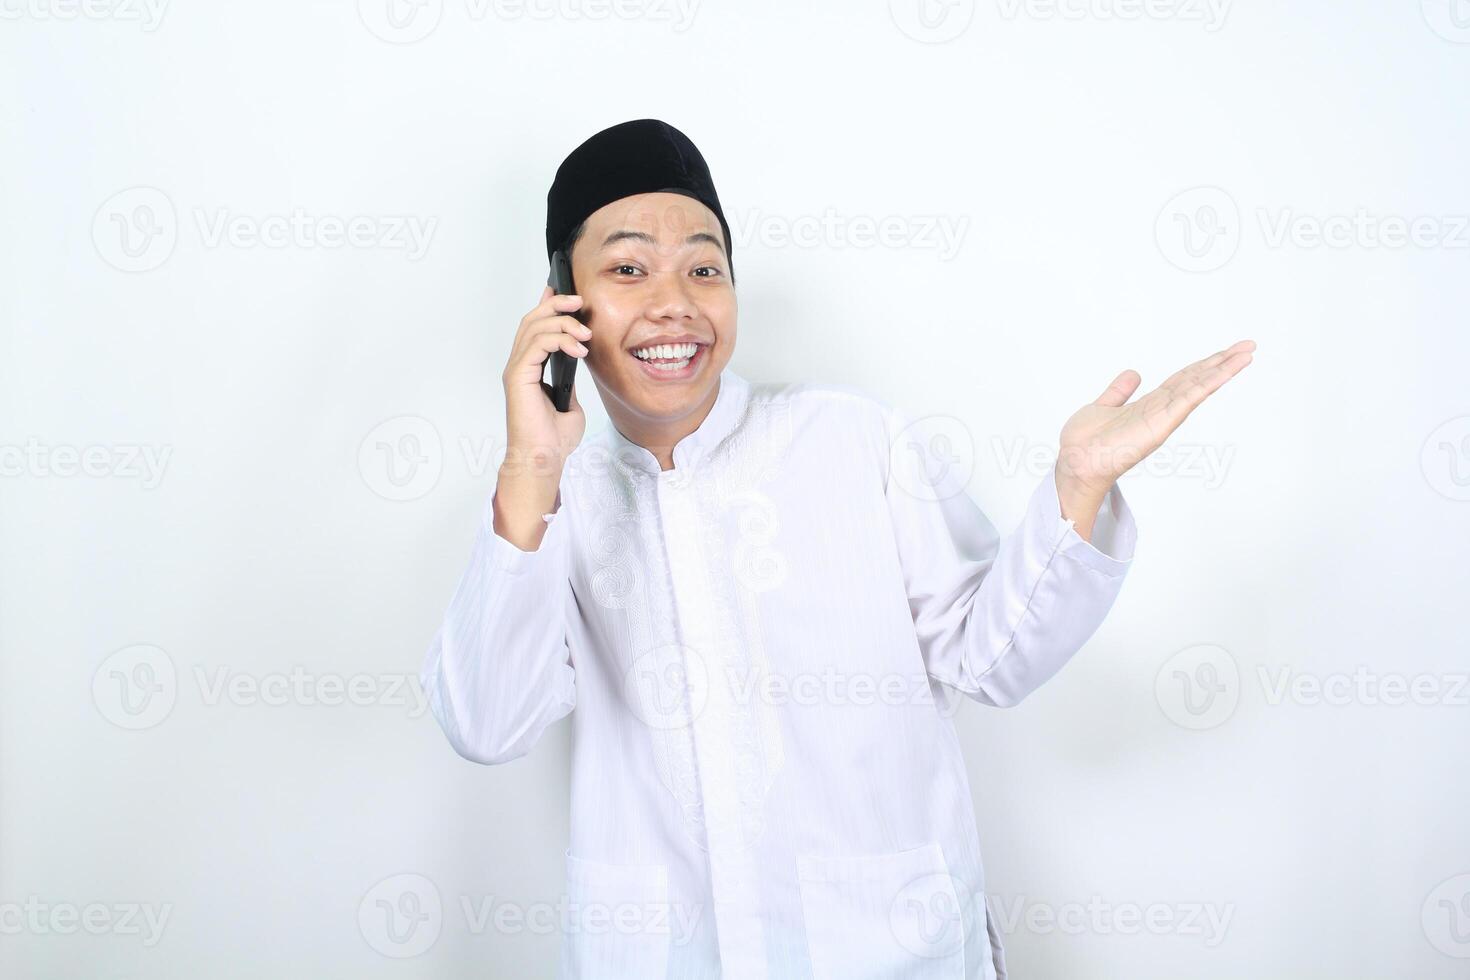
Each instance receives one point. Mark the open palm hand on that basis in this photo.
(1105, 439)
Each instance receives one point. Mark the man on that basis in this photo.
(758, 602)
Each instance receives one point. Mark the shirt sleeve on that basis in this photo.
(499, 669)
(997, 617)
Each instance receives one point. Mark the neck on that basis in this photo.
(660, 435)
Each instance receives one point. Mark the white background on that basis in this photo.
(323, 421)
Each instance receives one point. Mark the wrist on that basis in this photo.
(519, 506)
(1078, 502)
(533, 464)
(1078, 489)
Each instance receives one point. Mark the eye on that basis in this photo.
(711, 270)
(625, 270)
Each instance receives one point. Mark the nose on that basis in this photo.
(669, 297)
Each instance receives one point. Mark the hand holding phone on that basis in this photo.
(538, 437)
(563, 365)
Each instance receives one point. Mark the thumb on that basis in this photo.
(1122, 389)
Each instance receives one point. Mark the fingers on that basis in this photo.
(1188, 387)
(549, 326)
(1122, 389)
(537, 339)
(552, 340)
(1190, 384)
(552, 304)
(546, 341)
(553, 313)
(1213, 361)
(1199, 384)
(528, 360)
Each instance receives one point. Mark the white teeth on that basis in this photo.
(666, 352)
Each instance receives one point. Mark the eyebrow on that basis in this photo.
(645, 237)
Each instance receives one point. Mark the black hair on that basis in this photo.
(574, 238)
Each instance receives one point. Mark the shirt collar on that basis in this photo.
(724, 415)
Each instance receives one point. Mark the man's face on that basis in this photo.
(652, 273)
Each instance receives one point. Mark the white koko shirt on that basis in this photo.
(759, 645)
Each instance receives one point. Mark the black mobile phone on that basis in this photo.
(563, 365)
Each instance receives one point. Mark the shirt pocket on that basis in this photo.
(895, 916)
(616, 925)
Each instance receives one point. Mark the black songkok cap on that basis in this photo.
(637, 157)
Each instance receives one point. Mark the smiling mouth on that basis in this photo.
(670, 361)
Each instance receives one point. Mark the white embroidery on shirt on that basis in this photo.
(666, 677)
